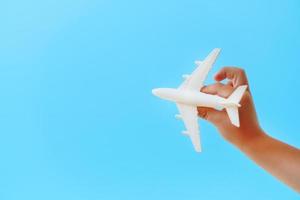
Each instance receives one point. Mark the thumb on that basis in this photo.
(210, 114)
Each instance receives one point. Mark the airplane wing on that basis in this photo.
(197, 78)
(190, 119)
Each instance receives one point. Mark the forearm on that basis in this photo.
(278, 158)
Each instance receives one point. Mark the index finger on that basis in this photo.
(218, 89)
(236, 75)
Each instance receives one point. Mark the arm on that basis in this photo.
(276, 157)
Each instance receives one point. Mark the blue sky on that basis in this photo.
(77, 117)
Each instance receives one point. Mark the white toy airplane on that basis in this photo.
(188, 97)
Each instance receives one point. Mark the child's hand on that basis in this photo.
(249, 127)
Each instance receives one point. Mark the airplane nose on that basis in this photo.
(155, 92)
(164, 93)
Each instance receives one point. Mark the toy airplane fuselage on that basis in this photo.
(192, 98)
(188, 97)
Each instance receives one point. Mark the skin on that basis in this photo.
(276, 157)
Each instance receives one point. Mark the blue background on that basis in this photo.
(77, 117)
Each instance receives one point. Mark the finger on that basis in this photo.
(236, 75)
(210, 114)
(225, 72)
(229, 83)
(218, 89)
(212, 89)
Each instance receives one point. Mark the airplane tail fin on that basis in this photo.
(232, 103)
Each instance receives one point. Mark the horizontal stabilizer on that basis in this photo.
(237, 94)
(233, 115)
(232, 103)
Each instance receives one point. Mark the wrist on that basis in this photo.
(250, 139)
